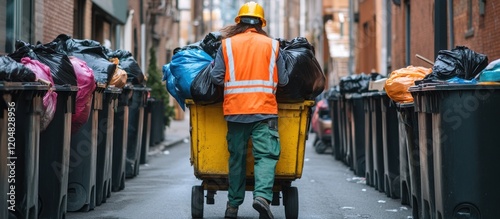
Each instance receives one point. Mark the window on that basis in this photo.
(16, 23)
(470, 28)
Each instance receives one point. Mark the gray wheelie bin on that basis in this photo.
(83, 155)
(390, 139)
(135, 128)
(465, 150)
(426, 137)
(54, 156)
(105, 144)
(120, 139)
(158, 126)
(333, 103)
(377, 141)
(146, 132)
(343, 128)
(356, 117)
(409, 119)
(404, 169)
(19, 139)
(368, 141)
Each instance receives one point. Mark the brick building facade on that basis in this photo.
(412, 31)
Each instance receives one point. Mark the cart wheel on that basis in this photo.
(197, 202)
(320, 147)
(291, 202)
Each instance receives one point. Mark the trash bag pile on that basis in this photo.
(67, 62)
(459, 66)
(187, 76)
(396, 86)
(460, 62)
(358, 83)
(306, 80)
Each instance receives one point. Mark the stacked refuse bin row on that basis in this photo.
(54, 171)
(52, 167)
(439, 154)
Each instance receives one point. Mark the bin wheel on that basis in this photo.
(291, 202)
(197, 202)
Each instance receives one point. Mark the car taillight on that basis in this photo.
(328, 131)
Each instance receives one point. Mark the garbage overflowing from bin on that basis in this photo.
(446, 118)
(64, 95)
(426, 133)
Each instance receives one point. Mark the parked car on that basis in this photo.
(321, 125)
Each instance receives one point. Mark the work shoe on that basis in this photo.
(262, 206)
(231, 212)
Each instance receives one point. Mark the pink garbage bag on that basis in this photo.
(86, 86)
(42, 71)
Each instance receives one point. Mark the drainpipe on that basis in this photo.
(127, 44)
(143, 38)
(450, 25)
(440, 29)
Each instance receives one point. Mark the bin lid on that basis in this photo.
(353, 95)
(113, 90)
(141, 88)
(373, 94)
(450, 87)
(65, 87)
(9, 86)
(405, 105)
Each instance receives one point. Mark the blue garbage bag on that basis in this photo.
(171, 84)
(184, 67)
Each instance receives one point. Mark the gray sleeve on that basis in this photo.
(219, 68)
(282, 71)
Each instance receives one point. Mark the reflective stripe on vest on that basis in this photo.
(248, 86)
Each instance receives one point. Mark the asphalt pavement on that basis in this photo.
(328, 189)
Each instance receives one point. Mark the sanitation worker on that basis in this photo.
(250, 66)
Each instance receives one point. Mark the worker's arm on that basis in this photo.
(219, 68)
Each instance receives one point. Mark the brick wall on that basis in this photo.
(58, 19)
(486, 38)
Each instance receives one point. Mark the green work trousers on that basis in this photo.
(266, 151)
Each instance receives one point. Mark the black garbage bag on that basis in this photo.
(306, 78)
(211, 43)
(60, 66)
(460, 62)
(203, 90)
(90, 51)
(12, 71)
(130, 65)
(196, 45)
(357, 83)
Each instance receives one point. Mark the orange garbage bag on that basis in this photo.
(119, 78)
(396, 86)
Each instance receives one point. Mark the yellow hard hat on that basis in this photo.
(251, 9)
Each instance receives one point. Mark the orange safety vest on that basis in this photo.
(251, 74)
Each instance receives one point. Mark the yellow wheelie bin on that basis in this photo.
(209, 154)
